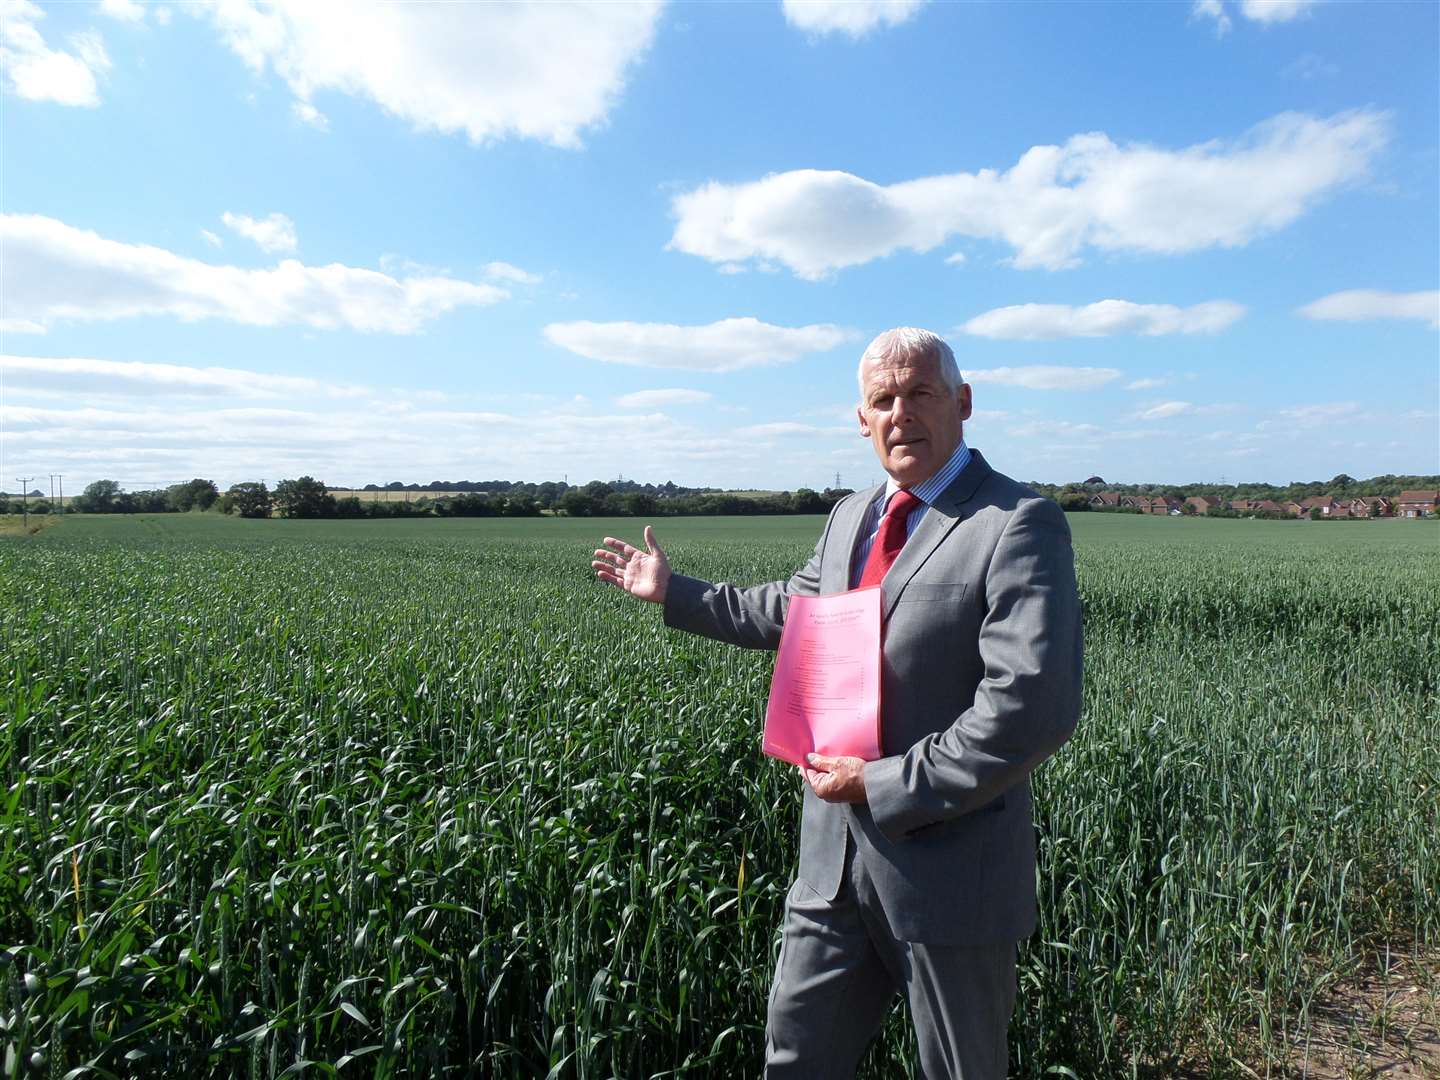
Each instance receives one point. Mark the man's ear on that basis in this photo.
(864, 427)
(964, 401)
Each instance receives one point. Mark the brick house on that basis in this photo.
(1203, 504)
(1417, 504)
(1324, 503)
(1105, 499)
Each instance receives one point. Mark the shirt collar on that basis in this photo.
(928, 491)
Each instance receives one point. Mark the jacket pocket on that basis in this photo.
(933, 592)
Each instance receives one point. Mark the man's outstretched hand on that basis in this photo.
(835, 779)
(645, 574)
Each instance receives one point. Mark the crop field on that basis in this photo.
(421, 798)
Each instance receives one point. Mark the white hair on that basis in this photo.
(912, 343)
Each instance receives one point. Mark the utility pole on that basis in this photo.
(837, 480)
(61, 477)
(25, 500)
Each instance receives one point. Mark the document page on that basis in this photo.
(825, 693)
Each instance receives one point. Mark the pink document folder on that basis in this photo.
(825, 693)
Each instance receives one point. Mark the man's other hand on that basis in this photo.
(645, 574)
(836, 779)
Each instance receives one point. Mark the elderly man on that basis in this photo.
(917, 870)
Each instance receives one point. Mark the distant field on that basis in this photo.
(420, 797)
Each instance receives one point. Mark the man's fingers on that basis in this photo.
(821, 763)
(652, 543)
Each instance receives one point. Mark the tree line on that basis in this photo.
(307, 497)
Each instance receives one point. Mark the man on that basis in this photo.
(917, 871)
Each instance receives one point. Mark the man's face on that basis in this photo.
(910, 416)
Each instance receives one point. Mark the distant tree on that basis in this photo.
(1074, 501)
(521, 506)
(98, 497)
(808, 501)
(249, 499)
(577, 504)
(1341, 482)
(638, 504)
(40, 506)
(197, 494)
(304, 498)
(1095, 480)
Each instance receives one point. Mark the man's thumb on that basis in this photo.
(652, 543)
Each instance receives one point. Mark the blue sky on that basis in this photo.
(1168, 241)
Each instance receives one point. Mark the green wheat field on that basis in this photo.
(421, 798)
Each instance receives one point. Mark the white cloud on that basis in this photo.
(1212, 9)
(124, 10)
(658, 399)
(853, 17)
(727, 345)
(1356, 305)
(212, 239)
(503, 271)
(374, 441)
(89, 377)
(1167, 409)
(1310, 66)
(1031, 322)
(538, 71)
(1049, 208)
(1145, 384)
(39, 73)
(1319, 414)
(308, 114)
(1261, 11)
(1032, 429)
(1045, 377)
(957, 259)
(271, 234)
(1274, 11)
(53, 271)
(788, 427)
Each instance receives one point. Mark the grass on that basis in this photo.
(419, 797)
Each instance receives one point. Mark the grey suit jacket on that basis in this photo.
(981, 682)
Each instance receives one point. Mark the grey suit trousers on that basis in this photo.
(840, 969)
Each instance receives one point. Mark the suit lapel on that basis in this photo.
(849, 527)
(944, 514)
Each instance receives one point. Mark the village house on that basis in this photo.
(1417, 504)
(1204, 504)
(1324, 503)
(1105, 499)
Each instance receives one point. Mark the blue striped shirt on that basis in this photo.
(926, 492)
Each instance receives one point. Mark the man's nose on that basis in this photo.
(900, 411)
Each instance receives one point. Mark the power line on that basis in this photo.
(25, 499)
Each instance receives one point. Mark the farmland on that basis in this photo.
(420, 797)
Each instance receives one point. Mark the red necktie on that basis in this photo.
(890, 537)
